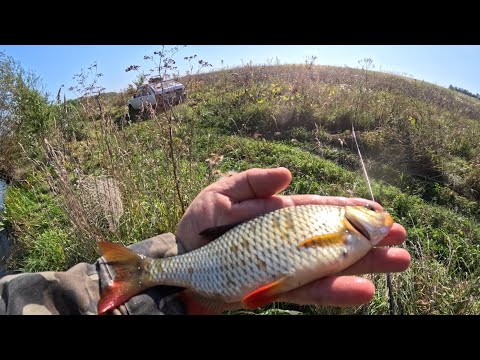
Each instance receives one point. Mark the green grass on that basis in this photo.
(46, 240)
(421, 144)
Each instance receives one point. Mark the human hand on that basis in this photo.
(253, 192)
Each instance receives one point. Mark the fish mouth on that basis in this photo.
(372, 225)
(357, 226)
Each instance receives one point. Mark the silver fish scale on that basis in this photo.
(256, 253)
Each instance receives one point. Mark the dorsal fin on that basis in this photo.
(215, 232)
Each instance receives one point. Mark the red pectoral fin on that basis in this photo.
(198, 305)
(325, 240)
(265, 295)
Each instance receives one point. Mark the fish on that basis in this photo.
(253, 263)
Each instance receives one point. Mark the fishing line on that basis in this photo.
(389, 280)
(363, 164)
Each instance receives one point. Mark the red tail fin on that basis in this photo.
(129, 279)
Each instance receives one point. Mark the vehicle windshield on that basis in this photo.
(143, 91)
(167, 84)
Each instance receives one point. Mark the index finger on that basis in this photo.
(332, 200)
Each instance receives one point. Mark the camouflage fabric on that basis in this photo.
(77, 291)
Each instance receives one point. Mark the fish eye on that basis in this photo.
(369, 207)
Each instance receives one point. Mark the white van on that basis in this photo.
(156, 94)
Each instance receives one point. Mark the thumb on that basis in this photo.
(254, 183)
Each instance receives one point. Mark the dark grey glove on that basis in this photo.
(77, 291)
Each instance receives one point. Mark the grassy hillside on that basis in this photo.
(99, 175)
